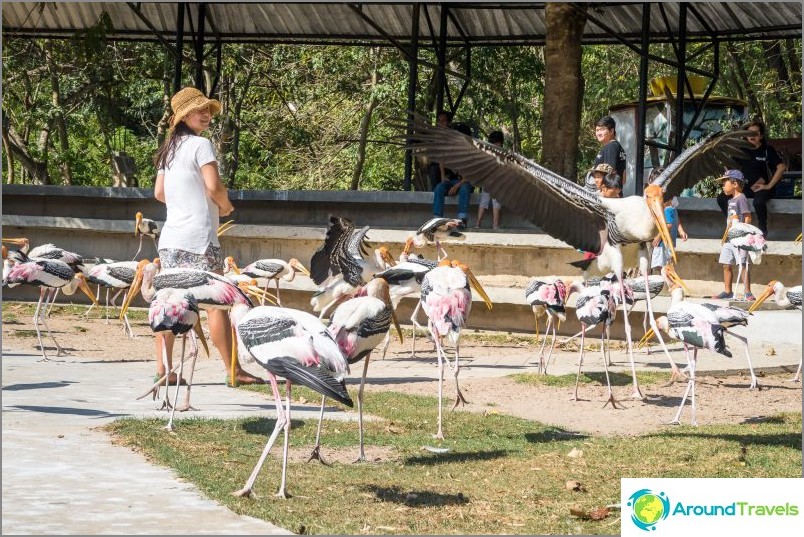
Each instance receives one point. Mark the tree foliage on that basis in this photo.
(303, 116)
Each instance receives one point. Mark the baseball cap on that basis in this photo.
(732, 175)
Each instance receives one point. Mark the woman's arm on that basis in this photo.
(159, 187)
(777, 175)
(215, 188)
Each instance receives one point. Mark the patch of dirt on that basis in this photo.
(374, 454)
(719, 399)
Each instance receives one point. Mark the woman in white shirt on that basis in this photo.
(189, 184)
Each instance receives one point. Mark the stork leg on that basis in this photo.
(440, 434)
(690, 381)
(283, 493)
(169, 425)
(636, 393)
(385, 343)
(42, 292)
(248, 489)
(166, 400)
(797, 377)
(52, 302)
(362, 456)
(754, 381)
(676, 373)
(114, 297)
(604, 349)
(278, 302)
(566, 341)
(194, 353)
(316, 453)
(440, 250)
(59, 350)
(645, 331)
(459, 398)
(552, 346)
(542, 364)
(97, 298)
(415, 326)
(580, 362)
(138, 249)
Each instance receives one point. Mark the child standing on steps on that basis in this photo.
(733, 182)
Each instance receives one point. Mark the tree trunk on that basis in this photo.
(9, 158)
(737, 63)
(58, 116)
(365, 122)
(563, 88)
(17, 148)
(167, 82)
(773, 57)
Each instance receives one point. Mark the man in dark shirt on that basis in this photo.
(612, 153)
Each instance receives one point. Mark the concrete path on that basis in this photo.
(60, 476)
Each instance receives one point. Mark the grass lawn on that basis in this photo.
(501, 475)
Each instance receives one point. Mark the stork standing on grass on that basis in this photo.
(358, 326)
(617, 230)
(145, 227)
(446, 298)
(297, 346)
(784, 298)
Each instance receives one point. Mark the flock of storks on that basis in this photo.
(358, 293)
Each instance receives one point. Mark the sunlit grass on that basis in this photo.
(502, 474)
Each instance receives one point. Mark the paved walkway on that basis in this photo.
(60, 476)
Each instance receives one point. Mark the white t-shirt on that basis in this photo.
(192, 217)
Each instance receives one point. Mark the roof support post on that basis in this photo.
(441, 53)
(199, 48)
(177, 61)
(681, 85)
(642, 106)
(413, 76)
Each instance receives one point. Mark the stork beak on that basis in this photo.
(82, 284)
(302, 269)
(137, 220)
(133, 290)
(646, 338)
(768, 291)
(479, 288)
(676, 279)
(725, 234)
(230, 260)
(255, 292)
(200, 333)
(226, 226)
(16, 242)
(798, 239)
(656, 208)
(387, 257)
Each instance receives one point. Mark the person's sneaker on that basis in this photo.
(462, 225)
(723, 296)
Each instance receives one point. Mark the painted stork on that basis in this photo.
(438, 229)
(263, 271)
(547, 297)
(750, 244)
(595, 305)
(697, 326)
(297, 346)
(145, 227)
(49, 275)
(446, 298)
(358, 326)
(116, 275)
(784, 298)
(211, 291)
(617, 230)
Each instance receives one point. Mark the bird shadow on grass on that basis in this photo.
(790, 440)
(265, 426)
(446, 458)
(415, 498)
(89, 412)
(553, 435)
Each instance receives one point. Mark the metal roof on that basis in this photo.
(490, 23)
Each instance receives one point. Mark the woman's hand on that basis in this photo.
(455, 188)
(760, 185)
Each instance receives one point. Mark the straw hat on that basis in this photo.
(602, 167)
(188, 99)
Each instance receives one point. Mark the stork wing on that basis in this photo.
(357, 244)
(560, 207)
(708, 157)
(322, 264)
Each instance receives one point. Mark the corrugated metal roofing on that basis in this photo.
(504, 23)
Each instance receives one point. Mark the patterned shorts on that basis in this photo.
(210, 260)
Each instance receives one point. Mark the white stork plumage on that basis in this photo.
(750, 244)
(263, 271)
(117, 275)
(436, 230)
(446, 298)
(48, 275)
(617, 230)
(547, 297)
(784, 298)
(358, 326)
(145, 227)
(297, 346)
(697, 326)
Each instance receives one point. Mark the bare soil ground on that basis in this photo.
(720, 399)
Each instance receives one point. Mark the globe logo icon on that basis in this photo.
(648, 508)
